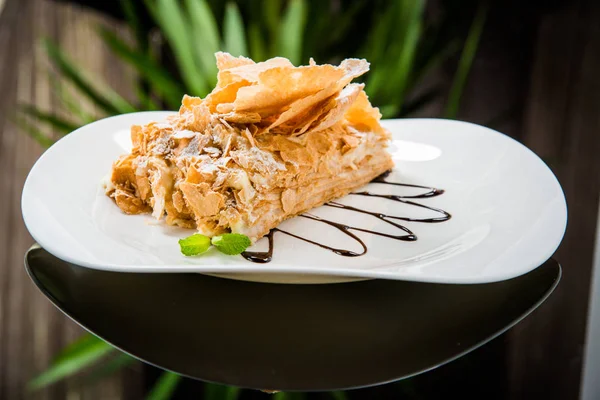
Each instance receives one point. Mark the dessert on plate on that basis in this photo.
(269, 142)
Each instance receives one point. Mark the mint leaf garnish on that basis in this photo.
(231, 243)
(194, 245)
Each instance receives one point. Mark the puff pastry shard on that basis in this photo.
(269, 142)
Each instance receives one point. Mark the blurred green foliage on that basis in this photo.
(397, 37)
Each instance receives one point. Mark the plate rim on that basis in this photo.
(258, 269)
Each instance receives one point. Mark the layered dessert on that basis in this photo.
(270, 141)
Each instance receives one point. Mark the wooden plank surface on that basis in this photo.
(542, 64)
(562, 125)
(31, 329)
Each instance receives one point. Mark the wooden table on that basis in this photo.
(32, 331)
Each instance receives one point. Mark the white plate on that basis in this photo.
(508, 212)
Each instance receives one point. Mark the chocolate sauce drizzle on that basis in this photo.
(406, 236)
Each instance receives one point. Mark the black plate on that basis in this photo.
(288, 337)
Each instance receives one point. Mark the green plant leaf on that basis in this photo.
(233, 34)
(392, 47)
(54, 121)
(205, 37)
(110, 367)
(164, 388)
(338, 395)
(317, 39)
(432, 62)
(202, 16)
(389, 110)
(194, 244)
(409, 21)
(466, 60)
(32, 131)
(80, 344)
(346, 19)
(258, 49)
(231, 243)
(146, 101)
(375, 81)
(169, 17)
(213, 391)
(378, 37)
(291, 31)
(73, 359)
(66, 99)
(271, 10)
(289, 396)
(232, 393)
(376, 47)
(131, 16)
(404, 67)
(109, 101)
(159, 78)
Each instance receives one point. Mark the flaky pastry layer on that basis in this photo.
(269, 142)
